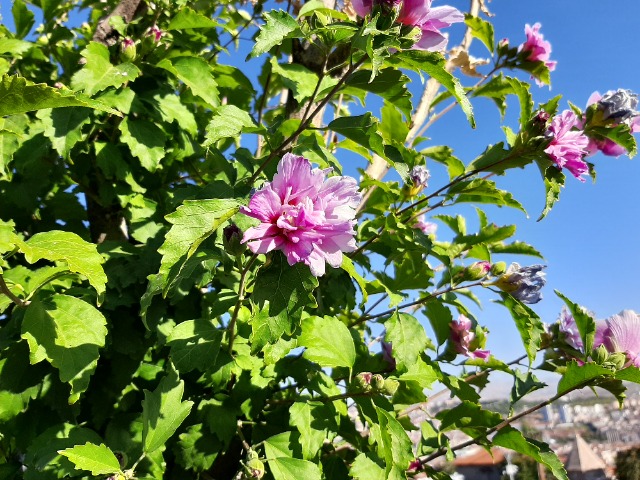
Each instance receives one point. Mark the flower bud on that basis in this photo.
(600, 355)
(254, 468)
(477, 270)
(377, 382)
(539, 122)
(618, 360)
(498, 268)
(231, 240)
(390, 386)
(155, 33)
(362, 381)
(128, 50)
(619, 105)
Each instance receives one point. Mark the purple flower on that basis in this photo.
(569, 327)
(537, 47)
(428, 228)
(418, 13)
(387, 354)
(568, 146)
(307, 216)
(618, 107)
(523, 283)
(464, 341)
(622, 334)
(419, 176)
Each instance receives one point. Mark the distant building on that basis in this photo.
(583, 463)
(481, 465)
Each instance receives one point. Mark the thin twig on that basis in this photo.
(4, 289)
(236, 310)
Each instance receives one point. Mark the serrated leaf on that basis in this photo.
(578, 376)
(517, 248)
(523, 384)
(389, 84)
(280, 294)
(145, 140)
(434, 65)
(468, 415)
(97, 459)
(80, 256)
(482, 30)
(440, 318)
(585, 323)
(67, 332)
(192, 223)
(63, 127)
(363, 468)
(314, 422)
(528, 323)
(407, 336)
(300, 80)
(194, 345)
(279, 25)
(328, 342)
(188, 18)
(197, 449)
(227, 121)
(362, 129)
(553, 183)
(99, 74)
(284, 468)
(163, 411)
(196, 74)
(509, 437)
(394, 444)
(23, 18)
(521, 90)
(18, 95)
(485, 191)
(348, 266)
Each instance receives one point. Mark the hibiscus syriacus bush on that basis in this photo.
(234, 247)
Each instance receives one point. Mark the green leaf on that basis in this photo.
(99, 74)
(389, 84)
(527, 322)
(280, 294)
(191, 224)
(629, 374)
(394, 444)
(579, 376)
(197, 449)
(318, 5)
(553, 183)
(523, 384)
(314, 422)
(195, 73)
(67, 332)
(521, 90)
(482, 30)
(80, 256)
(299, 79)
(485, 191)
(509, 437)
(227, 121)
(440, 318)
(348, 266)
(187, 19)
(434, 65)
(23, 18)
(8, 236)
(280, 445)
(145, 140)
(18, 95)
(194, 345)
(585, 323)
(620, 134)
(328, 342)
(163, 411)
(98, 459)
(283, 468)
(363, 468)
(280, 25)
(468, 415)
(362, 129)
(408, 337)
(516, 248)
(64, 127)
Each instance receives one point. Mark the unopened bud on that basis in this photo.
(539, 122)
(477, 271)
(362, 381)
(618, 360)
(232, 240)
(390, 386)
(155, 33)
(377, 382)
(498, 268)
(600, 354)
(128, 50)
(255, 468)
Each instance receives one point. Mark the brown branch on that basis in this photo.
(126, 9)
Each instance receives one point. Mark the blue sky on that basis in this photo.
(590, 238)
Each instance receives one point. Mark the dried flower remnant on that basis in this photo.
(420, 14)
(568, 144)
(616, 108)
(523, 283)
(464, 340)
(307, 216)
(418, 180)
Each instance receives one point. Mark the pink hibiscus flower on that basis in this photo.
(464, 340)
(569, 144)
(307, 216)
